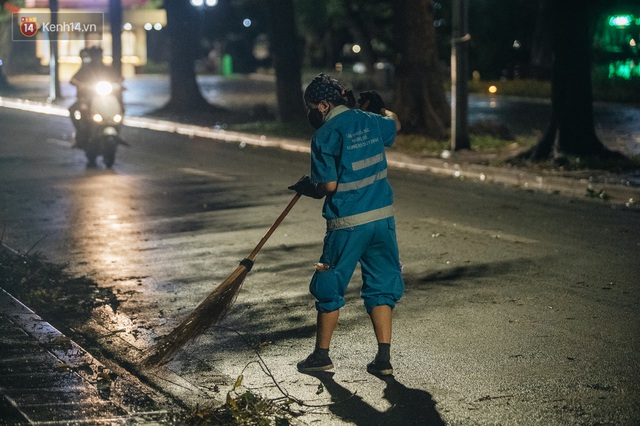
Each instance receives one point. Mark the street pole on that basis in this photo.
(459, 73)
(115, 22)
(54, 72)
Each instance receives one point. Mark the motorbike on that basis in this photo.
(98, 121)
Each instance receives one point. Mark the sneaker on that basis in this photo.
(380, 368)
(314, 362)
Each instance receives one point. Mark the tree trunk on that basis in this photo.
(182, 27)
(419, 98)
(571, 130)
(287, 60)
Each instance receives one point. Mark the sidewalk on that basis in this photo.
(46, 378)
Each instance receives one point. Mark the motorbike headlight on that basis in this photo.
(117, 118)
(97, 118)
(104, 88)
(77, 115)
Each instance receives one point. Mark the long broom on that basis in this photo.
(215, 307)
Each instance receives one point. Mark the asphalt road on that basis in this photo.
(521, 307)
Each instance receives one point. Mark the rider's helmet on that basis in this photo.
(91, 54)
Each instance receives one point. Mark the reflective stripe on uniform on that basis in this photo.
(360, 219)
(359, 165)
(350, 186)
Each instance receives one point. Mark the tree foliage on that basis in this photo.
(328, 26)
(401, 32)
(502, 35)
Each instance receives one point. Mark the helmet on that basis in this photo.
(91, 54)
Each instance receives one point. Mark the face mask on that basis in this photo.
(315, 117)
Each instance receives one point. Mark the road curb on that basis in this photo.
(48, 378)
(612, 189)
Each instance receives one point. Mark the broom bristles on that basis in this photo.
(212, 310)
(215, 306)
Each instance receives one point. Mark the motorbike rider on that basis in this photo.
(93, 69)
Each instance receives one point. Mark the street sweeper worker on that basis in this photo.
(349, 169)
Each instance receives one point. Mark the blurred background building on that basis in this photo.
(142, 26)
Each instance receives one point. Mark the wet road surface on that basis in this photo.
(519, 305)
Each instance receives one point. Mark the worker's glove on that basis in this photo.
(371, 101)
(305, 187)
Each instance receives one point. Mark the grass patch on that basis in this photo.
(604, 90)
(617, 91)
(486, 144)
(571, 163)
(405, 143)
(298, 130)
(486, 137)
(422, 145)
(524, 88)
(152, 67)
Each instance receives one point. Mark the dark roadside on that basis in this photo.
(47, 375)
(51, 373)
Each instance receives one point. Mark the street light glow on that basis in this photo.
(246, 22)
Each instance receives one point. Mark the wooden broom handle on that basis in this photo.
(278, 221)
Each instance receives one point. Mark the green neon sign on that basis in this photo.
(620, 20)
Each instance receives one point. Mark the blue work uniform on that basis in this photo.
(349, 148)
